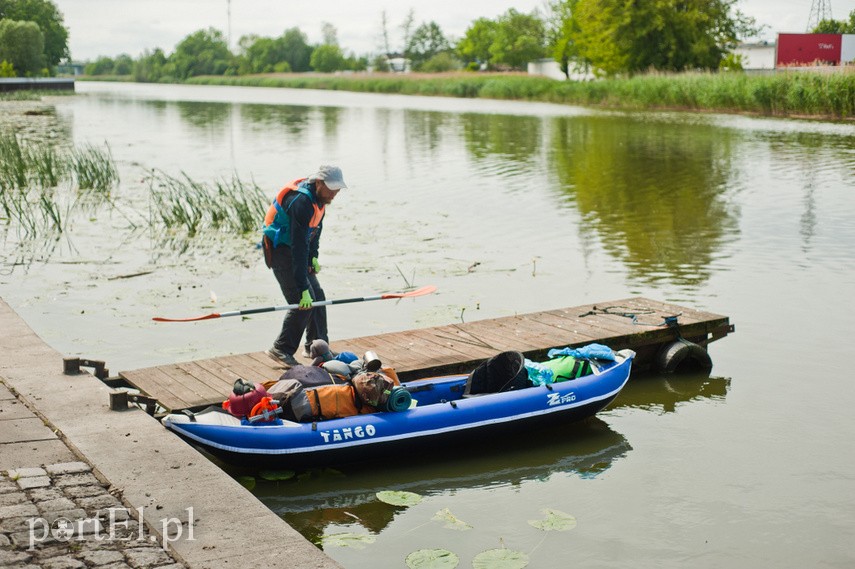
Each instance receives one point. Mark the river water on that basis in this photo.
(508, 207)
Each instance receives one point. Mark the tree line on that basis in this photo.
(606, 37)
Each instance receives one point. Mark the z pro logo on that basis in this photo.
(554, 399)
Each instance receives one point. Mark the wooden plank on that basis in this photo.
(155, 383)
(637, 323)
(464, 348)
(211, 380)
(199, 391)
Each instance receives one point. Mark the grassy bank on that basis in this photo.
(824, 95)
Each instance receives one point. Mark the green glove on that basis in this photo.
(316, 266)
(305, 300)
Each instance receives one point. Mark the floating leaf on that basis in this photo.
(555, 521)
(451, 521)
(500, 559)
(247, 482)
(354, 540)
(274, 475)
(399, 498)
(432, 559)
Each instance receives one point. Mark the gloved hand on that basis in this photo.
(305, 300)
(316, 266)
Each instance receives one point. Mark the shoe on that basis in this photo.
(281, 356)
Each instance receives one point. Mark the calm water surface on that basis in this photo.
(508, 208)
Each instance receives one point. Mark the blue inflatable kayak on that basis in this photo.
(440, 415)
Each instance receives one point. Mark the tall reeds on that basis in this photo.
(94, 169)
(30, 174)
(790, 93)
(182, 204)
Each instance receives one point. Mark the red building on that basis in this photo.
(812, 49)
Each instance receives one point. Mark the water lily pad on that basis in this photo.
(500, 559)
(275, 475)
(399, 498)
(432, 559)
(555, 521)
(451, 521)
(247, 482)
(354, 540)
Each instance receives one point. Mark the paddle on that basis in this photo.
(411, 294)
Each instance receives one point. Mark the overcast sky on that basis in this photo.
(112, 27)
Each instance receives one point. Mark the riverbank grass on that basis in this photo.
(792, 93)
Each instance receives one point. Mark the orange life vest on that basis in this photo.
(277, 222)
(335, 402)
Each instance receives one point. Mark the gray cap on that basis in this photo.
(331, 176)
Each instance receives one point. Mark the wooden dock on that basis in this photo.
(636, 323)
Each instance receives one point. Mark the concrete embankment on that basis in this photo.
(56, 429)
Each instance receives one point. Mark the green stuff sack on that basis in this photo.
(567, 367)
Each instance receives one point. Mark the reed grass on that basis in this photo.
(30, 174)
(181, 203)
(94, 169)
(791, 93)
(13, 165)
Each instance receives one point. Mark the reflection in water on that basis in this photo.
(312, 503)
(516, 138)
(205, 116)
(664, 392)
(655, 193)
(423, 130)
(292, 119)
(331, 119)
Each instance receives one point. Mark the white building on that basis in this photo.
(756, 55)
(548, 67)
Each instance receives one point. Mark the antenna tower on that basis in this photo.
(820, 10)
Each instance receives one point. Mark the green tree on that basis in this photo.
(836, 26)
(261, 53)
(560, 27)
(102, 66)
(475, 44)
(22, 46)
(296, 49)
(149, 68)
(123, 65)
(204, 52)
(440, 62)
(327, 58)
(426, 42)
(289, 52)
(520, 38)
(620, 36)
(329, 33)
(50, 22)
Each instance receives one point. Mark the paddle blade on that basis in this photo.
(193, 319)
(413, 293)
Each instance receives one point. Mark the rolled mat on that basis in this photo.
(399, 399)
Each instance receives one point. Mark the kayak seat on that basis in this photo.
(503, 372)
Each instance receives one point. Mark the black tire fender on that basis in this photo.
(682, 355)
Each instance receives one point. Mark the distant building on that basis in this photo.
(801, 50)
(548, 67)
(398, 63)
(69, 68)
(756, 56)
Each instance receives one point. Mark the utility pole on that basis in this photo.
(820, 10)
(229, 12)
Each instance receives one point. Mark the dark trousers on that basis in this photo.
(313, 322)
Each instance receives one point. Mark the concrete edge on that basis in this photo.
(149, 466)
